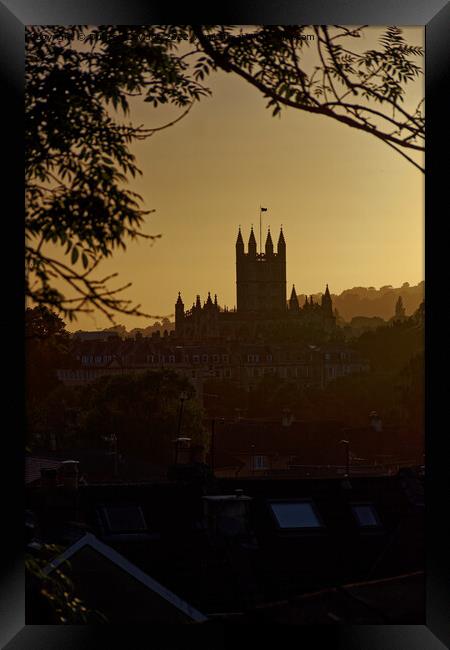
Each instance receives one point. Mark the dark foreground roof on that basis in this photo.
(113, 585)
(223, 553)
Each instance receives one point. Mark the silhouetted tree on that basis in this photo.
(78, 156)
(47, 346)
(399, 309)
(142, 410)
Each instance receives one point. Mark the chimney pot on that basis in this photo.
(69, 473)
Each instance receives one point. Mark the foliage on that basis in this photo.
(47, 348)
(394, 387)
(141, 409)
(78, 157)
(55, 591)
(391, 348)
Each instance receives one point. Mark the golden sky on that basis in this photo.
(352, 209)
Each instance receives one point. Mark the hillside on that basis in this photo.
(370, 302)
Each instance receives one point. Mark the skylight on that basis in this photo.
(295, 514)
(366, 515)
(124, 519)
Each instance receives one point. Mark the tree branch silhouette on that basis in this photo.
(271, 63)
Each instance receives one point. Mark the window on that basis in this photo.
(260, 462)
(205, 358)
(124, 519)
(195, 358)
(171, 358)
(295, 514)
(365, 515)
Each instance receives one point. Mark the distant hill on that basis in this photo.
(121, 330)
(370, 302)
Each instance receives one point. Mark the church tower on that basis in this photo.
(261, 277)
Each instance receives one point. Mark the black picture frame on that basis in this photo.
(14, 15)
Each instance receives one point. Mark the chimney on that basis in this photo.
(69, 474)
(49, 477)
(197, 454)
(182, 451)
(375, 421)
(227, 514)
(287, 418)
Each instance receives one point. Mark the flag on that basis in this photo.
(263, 209)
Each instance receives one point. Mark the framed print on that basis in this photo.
(228, 380)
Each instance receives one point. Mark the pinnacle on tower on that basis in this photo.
(281, 246)
(179, 309)
(269, 243)
(327, 303)
(252, 243)
(293, 300)
(240, 242)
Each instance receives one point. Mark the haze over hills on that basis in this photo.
(368, 302)
(371, 302)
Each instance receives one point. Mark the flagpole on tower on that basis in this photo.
(260, 244)
(261, 210)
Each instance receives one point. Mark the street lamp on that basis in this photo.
(112, 440)
(183, 398)
(253, 459)
(347, 444)
(211, 450)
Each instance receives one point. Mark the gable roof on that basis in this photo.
(131, 569)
